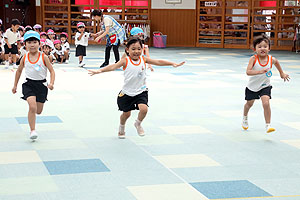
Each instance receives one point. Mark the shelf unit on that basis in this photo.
(63, 15)
(234, 23)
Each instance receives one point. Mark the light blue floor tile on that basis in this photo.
(9, 125)
(229, 189)
(23, 170)
(75, 166)
(40, 119)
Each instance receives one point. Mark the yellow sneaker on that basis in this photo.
(269, 129)
(245, 124)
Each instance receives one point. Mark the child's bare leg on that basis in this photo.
(267, 109)
(124, 117)
(80, 58)
(247, 106)
(267, 112)
(143, 111)
(40, 107)
(66, 55)
(14, 58)
(142, 114)
(32, 112)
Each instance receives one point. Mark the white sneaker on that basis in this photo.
(81, 64)
(33, 135)
(15, 66)
(269, 129)
(139, 129)
(245, 123)
(67, 61)
(6, 65)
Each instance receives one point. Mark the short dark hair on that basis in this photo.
(133, 41)
(97, 13)
(15, 22)
(261, 38)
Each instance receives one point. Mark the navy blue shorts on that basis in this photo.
(250, 95)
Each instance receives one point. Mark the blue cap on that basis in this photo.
(31, 34)
(136, 31)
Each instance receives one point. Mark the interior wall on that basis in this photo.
(161, 4)
(178, 24)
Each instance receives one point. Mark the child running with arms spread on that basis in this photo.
(134, 95)
(35, 88)
(259, 87)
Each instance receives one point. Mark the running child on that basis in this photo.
(35, 88)
(134, 95)
(139, 33)
(259, 87)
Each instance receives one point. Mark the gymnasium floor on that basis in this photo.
(194, 148)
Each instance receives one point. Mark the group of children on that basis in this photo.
(13, 49)
(135, 61)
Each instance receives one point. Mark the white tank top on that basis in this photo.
(35, 70)
(134, 77)
(260, 81)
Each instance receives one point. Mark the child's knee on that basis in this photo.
(143, 109)
(32, 108)
(266, 104)
(126, 114)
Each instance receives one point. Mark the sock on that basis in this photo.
(268, 125)
(138, 122)
(245, 118)
(122, 128)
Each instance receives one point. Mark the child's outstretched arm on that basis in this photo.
(162, 62)
(52, 73)
(284, 76)
(109, 68)
(18, 74)
(250, 71)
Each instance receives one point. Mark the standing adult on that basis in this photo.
(114, 33)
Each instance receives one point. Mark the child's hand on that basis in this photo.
(263, 71)
(151, 68)
(285, 77)
(177, 65)
(93, 72)
(14, 90)
(50, 86)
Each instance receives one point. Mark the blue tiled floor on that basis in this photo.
(40, 119)
(78, 155)
(229, 189)
(75, 166)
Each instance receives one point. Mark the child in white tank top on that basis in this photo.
(35, 88)
(134, 95)
(259, 87)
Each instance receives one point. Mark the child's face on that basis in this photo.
(57, 46)
(63, 39)
(81, 29)
(51, 36)
(135, 51)
(44, 37)
(15, 27)
(32, 46)
(46, 49)
(262, 49)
